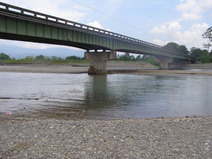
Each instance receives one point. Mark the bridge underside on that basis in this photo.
(50, 41)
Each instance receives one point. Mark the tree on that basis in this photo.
(177, 48)
(138, 58)
(172, 46)
(150, 59)
(126, 57)
(54, 58)
(208, 35)
(40, 57)
(3, 56)
(73, 58)
(196, 52)
(29, 57)
(183, 49)
(202, 56)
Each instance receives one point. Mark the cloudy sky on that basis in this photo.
(156, 21)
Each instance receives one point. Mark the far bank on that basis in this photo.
(128, 67)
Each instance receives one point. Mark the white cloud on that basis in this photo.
(194, 9)
(187, 16)
(159, 42)
(95, 24)
(52, 7)
(27, 44)
(173, 33)
(32, 45)
(172, 27)
(159, 29)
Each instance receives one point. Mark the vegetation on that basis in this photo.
(208, 35)
(3, 56)
(150, 59)
(128, 57)
(177, 48)
(42, 59)
(202, 56)
(74, 58)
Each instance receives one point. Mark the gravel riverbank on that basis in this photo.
(24, 137)
(113, 68)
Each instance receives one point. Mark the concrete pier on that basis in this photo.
(164, 62)
(99, 61)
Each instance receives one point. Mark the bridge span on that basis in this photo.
(101, 45)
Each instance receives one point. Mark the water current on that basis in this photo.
(105, 97)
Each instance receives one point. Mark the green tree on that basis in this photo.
(54, 58)
(150, 59)
(126, 57)
(203, 56)
(39, 58)
(172, 46)
(208, 35)
(177, 48)
(4, 56)
(183, 49)
(196, 52)
(73, 58)
(138, 58)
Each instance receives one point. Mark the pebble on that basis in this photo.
(25, 137)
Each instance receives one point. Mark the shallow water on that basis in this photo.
(105, 97)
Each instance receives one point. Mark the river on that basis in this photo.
(105, 97)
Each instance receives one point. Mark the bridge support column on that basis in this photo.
(99, 61)
(164, 62)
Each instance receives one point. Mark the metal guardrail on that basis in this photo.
(8, 7)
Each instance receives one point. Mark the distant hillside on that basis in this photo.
(19, 52)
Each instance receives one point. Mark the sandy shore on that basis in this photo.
(43, 68)
(24, 137)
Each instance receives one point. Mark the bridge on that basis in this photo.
(101, 45)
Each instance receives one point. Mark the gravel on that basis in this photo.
(27, 137)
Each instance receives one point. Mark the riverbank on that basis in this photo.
(25, 137)
(113, 68)
(73, 68)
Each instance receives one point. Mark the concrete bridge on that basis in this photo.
(101, 45)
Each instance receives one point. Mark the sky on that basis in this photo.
(155, 21)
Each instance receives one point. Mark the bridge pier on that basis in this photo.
(164, 62)
(99, 61)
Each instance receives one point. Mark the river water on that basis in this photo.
(105, 97)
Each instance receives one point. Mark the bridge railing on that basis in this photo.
(23, 11)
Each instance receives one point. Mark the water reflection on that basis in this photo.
(112, 96)
(96, 93)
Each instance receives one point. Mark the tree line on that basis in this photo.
(4, 58)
